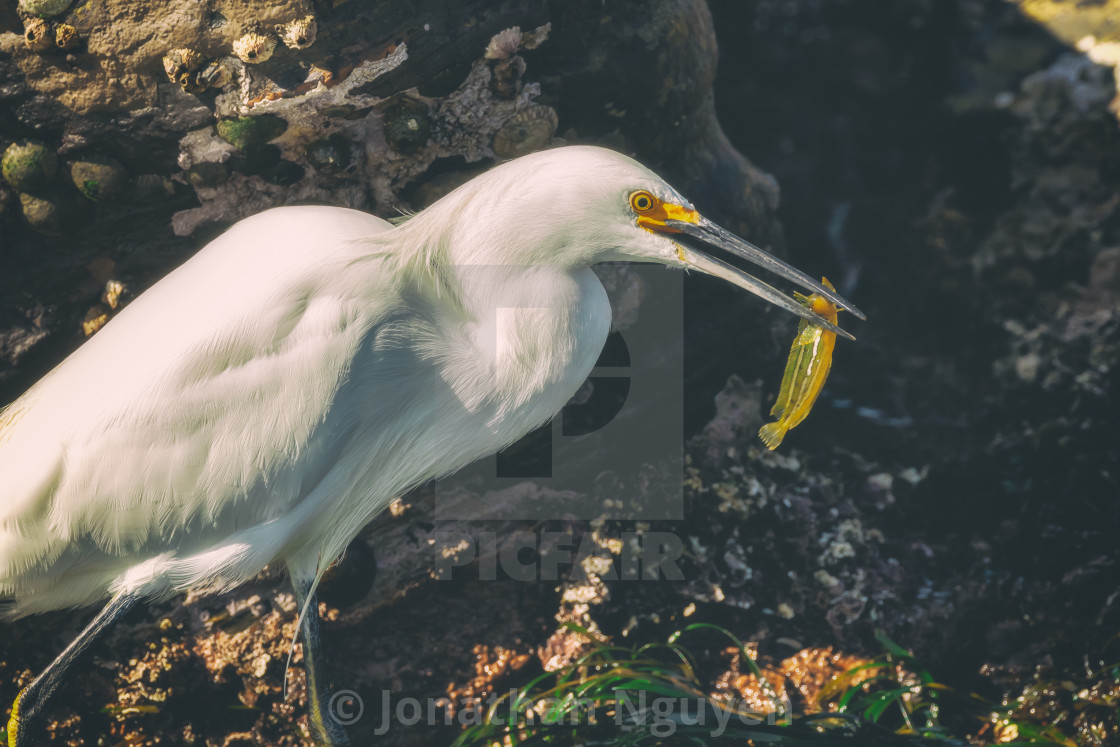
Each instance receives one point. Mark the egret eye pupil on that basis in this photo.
(642, 202)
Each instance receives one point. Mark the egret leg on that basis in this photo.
(29, 703)
(325, 729)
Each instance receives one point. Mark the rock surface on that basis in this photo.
(952, 166)
(112, 97)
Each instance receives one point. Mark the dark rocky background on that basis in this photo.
(952, 165)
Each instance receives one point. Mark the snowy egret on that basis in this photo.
(267, 399)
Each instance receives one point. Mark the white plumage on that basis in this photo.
(268, 398)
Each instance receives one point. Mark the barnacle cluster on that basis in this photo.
(41, 35)
(506, 43)
(506, 65)
(31, 168)
(257, 45)
(193, 72)
(179, 64)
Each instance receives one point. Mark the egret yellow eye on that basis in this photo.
(642, 201)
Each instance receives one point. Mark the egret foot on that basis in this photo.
(15, 728)
(21, 730)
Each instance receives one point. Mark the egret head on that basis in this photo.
(580, 205)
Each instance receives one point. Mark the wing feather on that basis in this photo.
(181, 420)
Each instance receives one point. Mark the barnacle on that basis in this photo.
(179, 63)
(28, 165)
(65, 36)
(43, 212)
(300, 33)
(525, 132)
(37, 35)
(213, 73)
(99, 178)
(254, 47)
(503, 44)
(97, 316)
(114, 289)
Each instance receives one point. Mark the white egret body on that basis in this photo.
(268, 398)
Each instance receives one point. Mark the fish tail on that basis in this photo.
(772, 434)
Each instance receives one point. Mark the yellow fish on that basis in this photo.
(810, 360)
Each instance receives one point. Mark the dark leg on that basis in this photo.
(325, 729)
(29, 703)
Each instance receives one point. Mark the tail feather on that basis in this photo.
(772, 434)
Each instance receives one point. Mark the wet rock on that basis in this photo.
(1073, 22)
(349, 580)
(1104, 273)
(329, 155)
(492, 667)
(207, 174)
(1027, 367)
(255, 160)
(244, 132)
(406, 124)
(137, 111)
(152, 188)
(284, 173)
(43, 8)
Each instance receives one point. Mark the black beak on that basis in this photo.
(710, 233)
